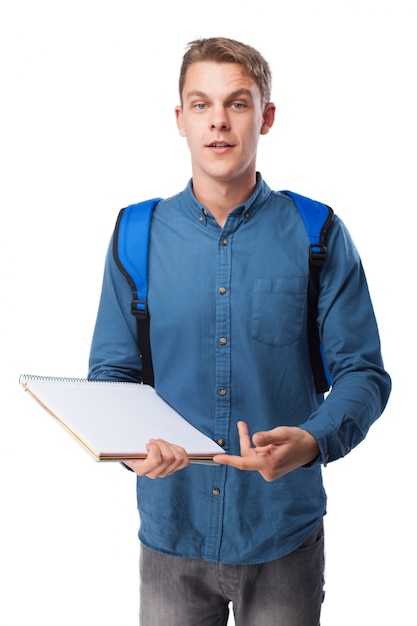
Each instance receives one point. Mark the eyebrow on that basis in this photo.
(232, 96)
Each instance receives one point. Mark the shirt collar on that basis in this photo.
(245, 210)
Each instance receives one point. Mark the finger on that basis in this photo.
(244, 438)
(254, 463)
(141, 467)
(151, 466)
(245, 450)
(171, 458)
(276, 436)
(259, 439)
(170, 450)
(162, 459)
(240, 462)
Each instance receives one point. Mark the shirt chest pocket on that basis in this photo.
(278, 310)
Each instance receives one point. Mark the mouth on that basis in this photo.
(220, 147)
(219, 144)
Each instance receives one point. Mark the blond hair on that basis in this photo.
(223, 50)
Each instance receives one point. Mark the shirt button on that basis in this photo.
(216, 491)
(222, 391)
(327, 457)
(222, 341)
(224, 242)
(222, 291)
(221, 442)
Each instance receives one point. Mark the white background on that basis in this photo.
(88, 90)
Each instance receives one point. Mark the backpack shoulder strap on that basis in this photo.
(130, 252)
(317, 218)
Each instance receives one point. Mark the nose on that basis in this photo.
(220, 119)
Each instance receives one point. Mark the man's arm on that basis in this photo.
(361, 386)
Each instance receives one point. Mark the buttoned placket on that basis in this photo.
(223, 382)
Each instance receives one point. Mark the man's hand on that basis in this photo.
(163, 459)
(276, 452)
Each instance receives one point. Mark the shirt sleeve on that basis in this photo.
(351, 344)
(114, 353)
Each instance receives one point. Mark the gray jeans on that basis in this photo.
(178, 591)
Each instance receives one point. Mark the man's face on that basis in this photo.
(222, 118)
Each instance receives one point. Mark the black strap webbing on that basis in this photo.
(145, 347)
(317, 362)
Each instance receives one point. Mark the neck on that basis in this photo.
(220, 198)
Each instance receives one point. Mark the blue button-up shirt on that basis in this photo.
(229, 342)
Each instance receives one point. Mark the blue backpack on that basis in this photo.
(130, 251)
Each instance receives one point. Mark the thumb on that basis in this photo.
(260, 439)
(265, 438)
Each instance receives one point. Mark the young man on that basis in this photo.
(228, 272)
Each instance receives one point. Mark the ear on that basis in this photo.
(180, 120)
(268, 118)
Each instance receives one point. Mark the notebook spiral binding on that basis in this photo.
(24, 378)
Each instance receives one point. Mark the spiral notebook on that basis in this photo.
(114, 420)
